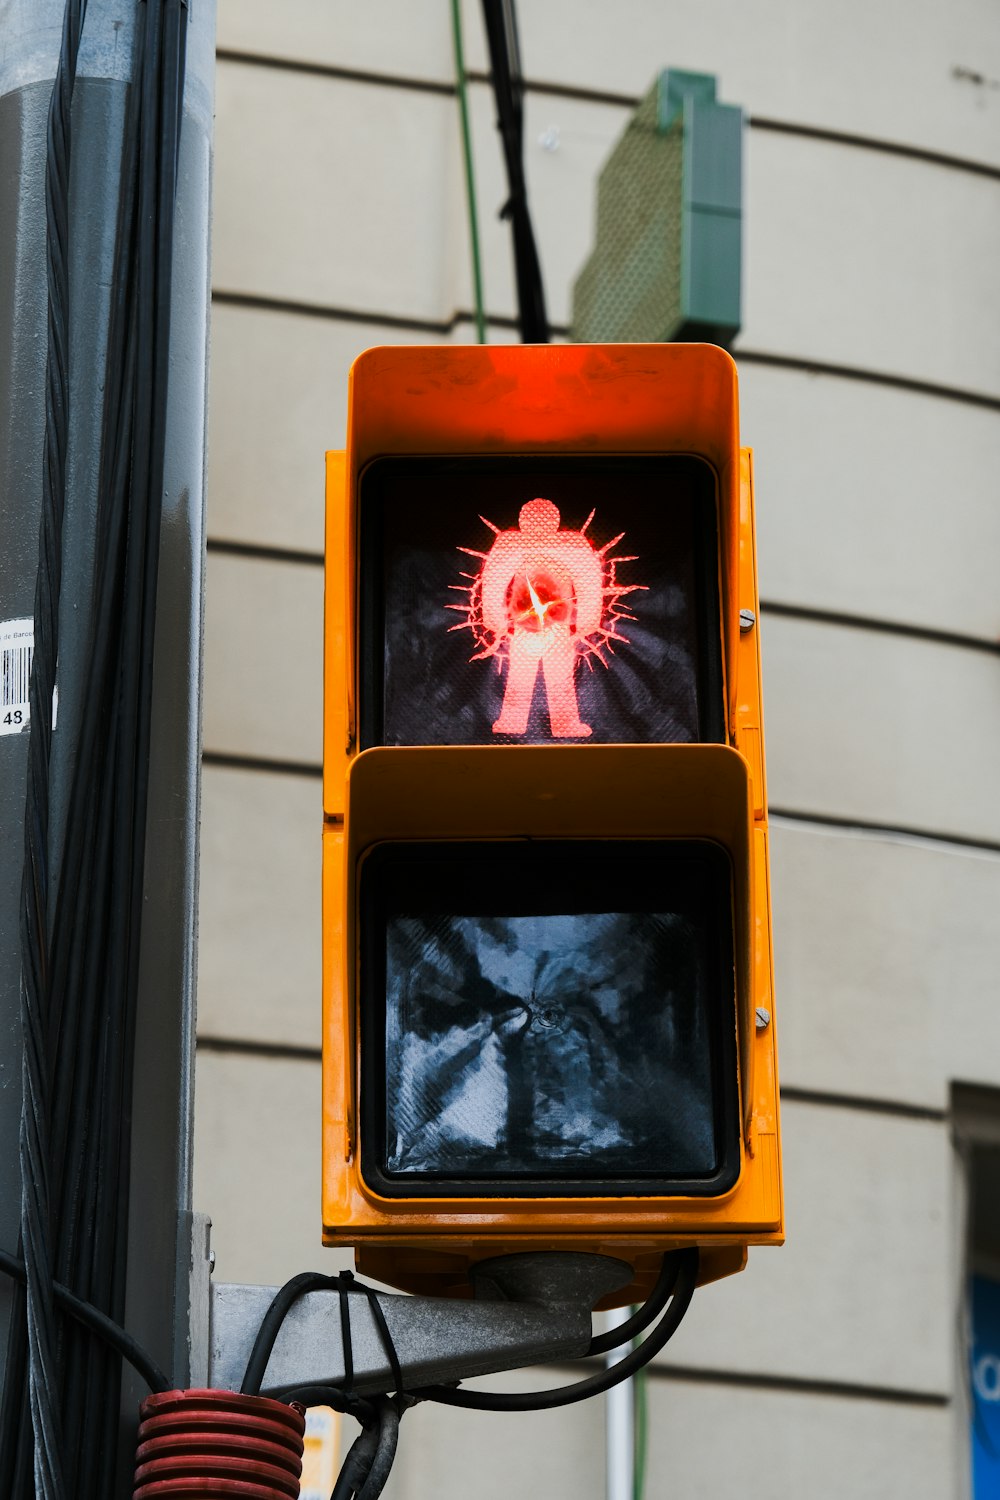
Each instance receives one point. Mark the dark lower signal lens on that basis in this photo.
(565, 1019)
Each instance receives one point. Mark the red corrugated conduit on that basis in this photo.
(218, 1445)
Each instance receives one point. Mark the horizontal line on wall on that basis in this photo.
(885, 830)
(336, 314)
(863, 1104)
(278, 1050)
(331, 70)
(275, 766)
(873, 143)
(269, 552)
(604, 96)
(872, 377)
(441, 328)
(263, 552)
(232, 761)
(438, 327)
(282, 1050)
(881, 626)
(260, 552)
(798, 1385)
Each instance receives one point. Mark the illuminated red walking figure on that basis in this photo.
(543, 589)
(543, 597)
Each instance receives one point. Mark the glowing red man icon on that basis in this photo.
(547, 598)
(542, 591)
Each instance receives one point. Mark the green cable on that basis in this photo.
(470, 177)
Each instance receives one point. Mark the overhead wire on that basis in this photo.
(508, 90)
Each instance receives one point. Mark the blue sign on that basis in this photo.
(985, 1381)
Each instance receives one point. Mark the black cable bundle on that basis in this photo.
(366, 1468)
(508, 90)
(675, 1284)
(81, 942)
(35, 1339)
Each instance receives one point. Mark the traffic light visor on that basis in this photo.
(555, 1017)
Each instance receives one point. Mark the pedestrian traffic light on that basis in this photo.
(548, 1019)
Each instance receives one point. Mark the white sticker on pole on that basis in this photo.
(17, 644)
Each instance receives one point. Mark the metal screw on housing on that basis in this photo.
(747, 619)
(763, 1017)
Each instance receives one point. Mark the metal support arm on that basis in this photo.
(527, 1309)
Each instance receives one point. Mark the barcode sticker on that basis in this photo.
(17, 643)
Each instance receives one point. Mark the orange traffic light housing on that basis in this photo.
(548, 1017)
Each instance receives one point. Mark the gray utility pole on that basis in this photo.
(160, 1227)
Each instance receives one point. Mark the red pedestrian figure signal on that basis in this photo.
(544, 598)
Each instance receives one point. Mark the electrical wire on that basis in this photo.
(366, 1468)
(358, 1407)
(98, 1323)
(91, 955)
(508, 90)
(357, 1465)
(34, 1154)
(624, 1333)
(369, 1461)
(389, 1414)
(470, 172)
(282, 1303)
(595, 1384)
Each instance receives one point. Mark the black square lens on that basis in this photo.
(517, 601)
(554, 1021)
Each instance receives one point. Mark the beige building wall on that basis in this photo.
(870, 377)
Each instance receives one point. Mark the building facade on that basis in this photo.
(869, 364)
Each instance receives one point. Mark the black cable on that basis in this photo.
(389, 1413)
(358, 1407)
(366, 1468)
(281, 1304)
(90, 966)
(650, 1310)
(357, 1465)
(92, 1317)
(369, 1461)
(508, 90)
(596, 1384)
(345, 1336)
(34, 1151)
(386, 1337)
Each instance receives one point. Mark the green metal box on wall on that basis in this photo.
(666, 261)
